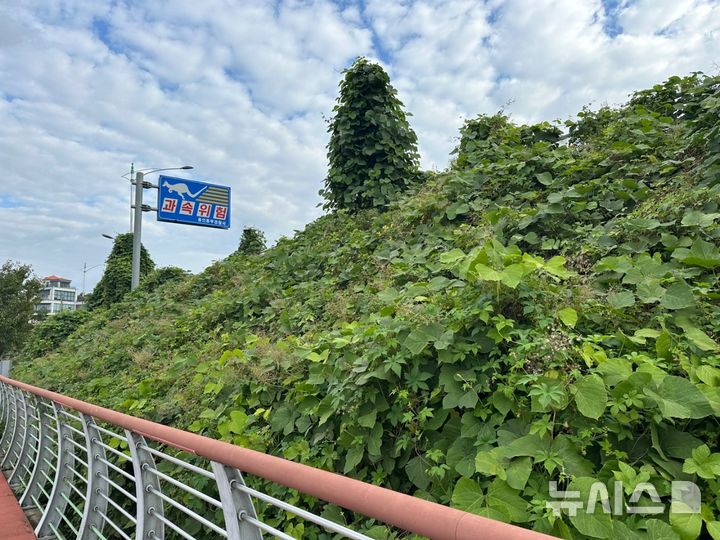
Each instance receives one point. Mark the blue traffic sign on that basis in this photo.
(193, 203)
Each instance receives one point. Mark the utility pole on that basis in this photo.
(132, 181)
(137, 229)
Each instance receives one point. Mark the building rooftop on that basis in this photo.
(55, 278)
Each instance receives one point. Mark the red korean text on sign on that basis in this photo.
(169, 205)
(204, 210)
(187, 208)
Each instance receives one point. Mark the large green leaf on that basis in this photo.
(678, 296)
(419, 338)
(701, 253)
(621, 299)
(684, 522)
(568, 316)
(596, 523)
(468, 496)
(677, 397)
(505, 499)
(591, 396)
(659, 530)
(696, 336)
(415, 470)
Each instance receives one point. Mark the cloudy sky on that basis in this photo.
(240, 89)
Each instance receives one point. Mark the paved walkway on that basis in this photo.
(13, 523)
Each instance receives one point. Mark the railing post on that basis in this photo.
(149, 506)
(236, 504)
(60, 492)
(41, 466)
(3, 407)
(95, 504)
(11, 429)
(14, 451)
(26, 446)
(4, 414)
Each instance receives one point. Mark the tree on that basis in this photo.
(117, 278)
(252, 241)
(372, 151)
(19, 292)
(47, 335)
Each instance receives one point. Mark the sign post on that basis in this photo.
(179, 201)
(137, 229)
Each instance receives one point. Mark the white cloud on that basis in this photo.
(239, 90)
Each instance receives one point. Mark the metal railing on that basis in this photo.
(84, 472)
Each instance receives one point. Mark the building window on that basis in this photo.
(65, 296)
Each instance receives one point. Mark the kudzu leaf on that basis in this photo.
(650, 291)
(545, 178)
(677, 397)
(621, 299)
(701, 253)
(659, 530)
(353, 458)
(713, 528)
(368, 420)
(518, 472)
(568, 316)
(693, 218)
(678, 296)
(591, 396)
(505, 499)
(415, 470)
(696, 336)
(596, 524)
(468, 496)
(452, 257)
(684, 521)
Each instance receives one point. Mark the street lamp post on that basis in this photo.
(139, 208)
(137, 229)
(85, 271)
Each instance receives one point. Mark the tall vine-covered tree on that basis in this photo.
(252, 241)
(19, 291)
(116, 280)
(372, 151)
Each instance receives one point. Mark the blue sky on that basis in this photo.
(240, 89)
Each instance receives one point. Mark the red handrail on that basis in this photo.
(412, 514)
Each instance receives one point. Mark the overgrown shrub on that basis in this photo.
(373, 150)
(116, 280)
(48, 334)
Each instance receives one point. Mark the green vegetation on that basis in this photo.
(252, 242)
(18, 296)
(115, 282)
(372, 151)
(49, 333)
(544, 310)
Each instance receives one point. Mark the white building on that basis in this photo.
(57, 295)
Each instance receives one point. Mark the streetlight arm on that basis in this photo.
(151, 170)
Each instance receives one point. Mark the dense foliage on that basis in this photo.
(19, 291)
(544, 311)
(373, 150)
(49, 333)
(252, 241)
(115, 282)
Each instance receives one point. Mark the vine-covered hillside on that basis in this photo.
(546, 309)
